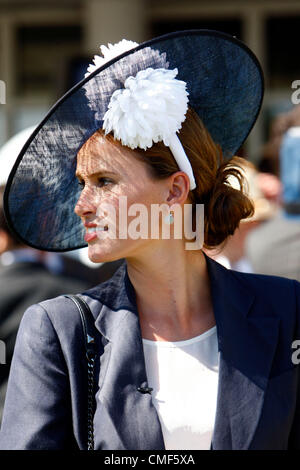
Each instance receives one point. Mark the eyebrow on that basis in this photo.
(97, 173)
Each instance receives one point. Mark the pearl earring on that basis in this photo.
(169, 219)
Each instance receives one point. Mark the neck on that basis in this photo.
(172, 292)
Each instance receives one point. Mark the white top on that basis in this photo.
(184, 378)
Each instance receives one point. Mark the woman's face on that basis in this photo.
(106, 171)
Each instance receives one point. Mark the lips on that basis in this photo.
(92, 234)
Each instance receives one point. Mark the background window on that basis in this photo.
(282, 44)
(42, 54)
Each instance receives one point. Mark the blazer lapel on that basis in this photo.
(132, 417)
(247, 346)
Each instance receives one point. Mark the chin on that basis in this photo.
(101, 252)
(98, 255)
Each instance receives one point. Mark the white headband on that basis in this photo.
(150, 108)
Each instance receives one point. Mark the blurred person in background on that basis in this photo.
(270, 161)
(274, 247)
(28, 275)
(263, 189)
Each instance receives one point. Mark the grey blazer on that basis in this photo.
(258, 406)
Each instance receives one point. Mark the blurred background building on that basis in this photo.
(45, 46)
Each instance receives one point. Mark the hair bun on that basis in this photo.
(226, 206)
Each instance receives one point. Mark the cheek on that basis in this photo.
(107, 210)
(114, 205)
(144, 192)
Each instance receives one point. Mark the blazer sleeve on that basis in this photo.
(37, 411)
(294, 438)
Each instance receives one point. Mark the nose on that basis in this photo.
(86, 203)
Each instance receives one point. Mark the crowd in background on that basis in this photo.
(269, 242)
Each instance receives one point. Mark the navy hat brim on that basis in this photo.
(225, 85)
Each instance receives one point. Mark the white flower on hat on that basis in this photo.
(109, 52)
(150, 108)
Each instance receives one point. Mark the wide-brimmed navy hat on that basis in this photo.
(225, 85)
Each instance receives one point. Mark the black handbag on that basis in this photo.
(88, 327)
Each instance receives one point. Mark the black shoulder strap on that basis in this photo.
(87, 321)
(88, 327)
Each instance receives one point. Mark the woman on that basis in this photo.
(190, 355)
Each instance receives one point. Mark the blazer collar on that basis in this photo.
(118, 292)
(244, 335)
(132, 414)
(246, 339)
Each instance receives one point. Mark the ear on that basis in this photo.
(178, 188)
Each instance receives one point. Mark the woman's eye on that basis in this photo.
(104, 181)
(101, 182)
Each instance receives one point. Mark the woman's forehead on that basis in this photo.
(100, 154)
